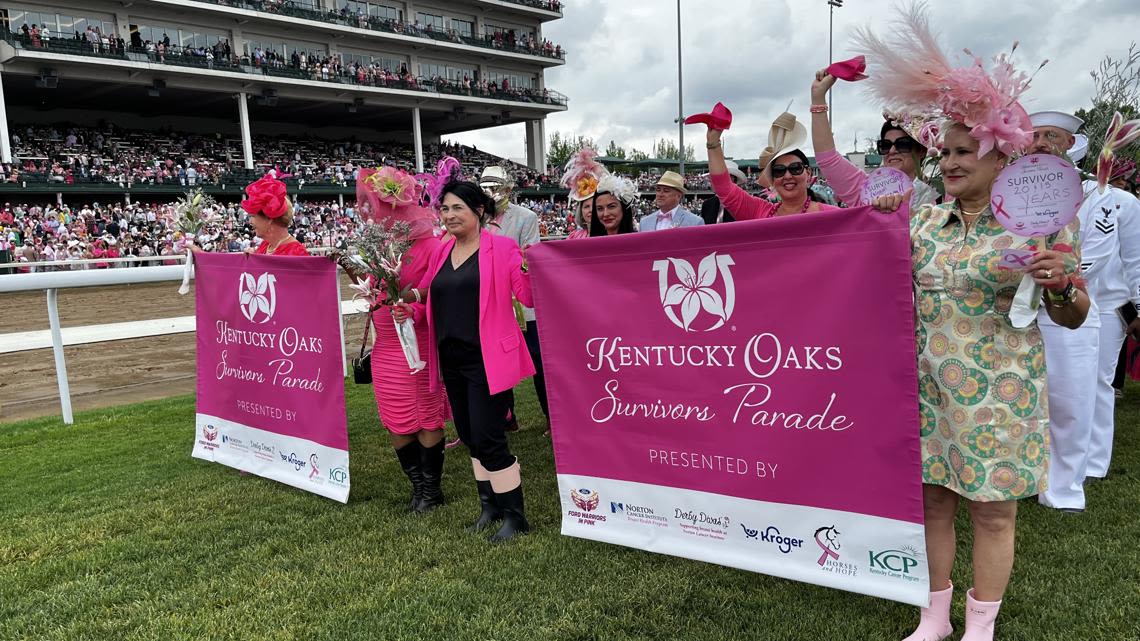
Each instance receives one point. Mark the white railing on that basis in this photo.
(52, 282)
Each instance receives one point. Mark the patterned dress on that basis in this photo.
(982, 395)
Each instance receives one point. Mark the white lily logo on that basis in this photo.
(257, 296)
(695, 291)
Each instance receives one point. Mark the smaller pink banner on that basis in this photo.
(270, 370)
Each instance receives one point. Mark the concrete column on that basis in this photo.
(418, 140)
(5, 140)
(536, 145)
(243, 120)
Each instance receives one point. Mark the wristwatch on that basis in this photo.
(1063, 297)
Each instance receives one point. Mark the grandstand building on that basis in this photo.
(381, 70)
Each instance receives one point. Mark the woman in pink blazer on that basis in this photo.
(475, 344)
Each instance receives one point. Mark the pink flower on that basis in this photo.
(394, 186)
(1004, 129)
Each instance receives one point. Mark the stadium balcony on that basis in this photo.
(176, 56)
(311, 10)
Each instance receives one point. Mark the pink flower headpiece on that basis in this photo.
(389, 195)
(267, 196)
(1120, 134)
(911, 72)
(582, 174)
(446, 170)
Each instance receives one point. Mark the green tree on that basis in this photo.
(1117, 83)
(637, 154)
(615, 151)
(667, 149)
(562, 147)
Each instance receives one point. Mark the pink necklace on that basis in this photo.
(804, 209)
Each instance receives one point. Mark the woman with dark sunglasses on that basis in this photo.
(785, 169)
(899, 145)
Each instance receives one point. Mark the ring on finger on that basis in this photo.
(1048, 273)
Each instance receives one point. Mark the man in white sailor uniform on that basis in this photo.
(1081, 363)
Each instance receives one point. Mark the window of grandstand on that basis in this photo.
(185, 37)
(385, 61)
(375, 10)
(463, 27)
(282, 47)
(59, 23)
(444, 70)
(505, 33)
(427, 20)
(514, 79)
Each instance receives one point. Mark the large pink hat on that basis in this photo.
(389, 195)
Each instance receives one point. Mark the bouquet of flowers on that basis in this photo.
(378, 251)
(190, 215)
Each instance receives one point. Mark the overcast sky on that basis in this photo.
(756, 55)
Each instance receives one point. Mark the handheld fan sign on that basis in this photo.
(884, 181)
(1036, 195)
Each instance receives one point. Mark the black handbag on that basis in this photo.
(362, 364)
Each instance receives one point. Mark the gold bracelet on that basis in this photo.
(710, 145)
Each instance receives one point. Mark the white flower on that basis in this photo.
(694, 292)
(254, 296)
(363, 289)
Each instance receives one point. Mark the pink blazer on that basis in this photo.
(505, 357)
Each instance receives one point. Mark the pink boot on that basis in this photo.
(934, 625)
(980, 616)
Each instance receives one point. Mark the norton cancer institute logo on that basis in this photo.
(257, 297)
(699, 301)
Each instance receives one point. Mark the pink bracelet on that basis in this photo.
(818, 109)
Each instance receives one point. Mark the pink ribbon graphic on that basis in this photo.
(827, 551)
(313, 469)
(997, 203)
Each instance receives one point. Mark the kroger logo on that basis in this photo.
(586, 500)
(697, 294)
(772, 535)
(210, 433)
(292, 459)
(893, 562)
(257, 297)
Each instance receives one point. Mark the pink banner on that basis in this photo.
(270, 369)
(744, 394)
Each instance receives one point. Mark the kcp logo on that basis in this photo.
(257, 297)
(697, 291)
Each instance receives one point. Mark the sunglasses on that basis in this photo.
(794, 169)
(902, 145)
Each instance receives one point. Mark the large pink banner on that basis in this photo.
(743, 394)
(270, 369)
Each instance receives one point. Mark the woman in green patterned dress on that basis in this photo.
(982, 395)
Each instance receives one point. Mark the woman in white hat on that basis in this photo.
(785, 169)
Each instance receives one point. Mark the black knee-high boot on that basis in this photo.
(432, 463)
(507, 485)
(411, 460)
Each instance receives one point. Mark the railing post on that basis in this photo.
(60, 363)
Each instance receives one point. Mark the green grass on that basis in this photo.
(110, 530)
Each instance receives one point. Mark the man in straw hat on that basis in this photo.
(670, 214)
(1081, 363)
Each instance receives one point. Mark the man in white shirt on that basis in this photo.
(1081, 363)
(670, 214)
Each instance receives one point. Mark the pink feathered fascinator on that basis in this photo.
(719, 118)
(849, 70)
(582, 173)
(388, 195)
(446, 170)
(911, 73)
(266, 196)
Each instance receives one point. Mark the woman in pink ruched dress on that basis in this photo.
(412, 413)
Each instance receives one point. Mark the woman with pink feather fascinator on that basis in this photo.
(414, 414)
(581, 177)
(982, 385)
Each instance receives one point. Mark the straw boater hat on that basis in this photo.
(495, 176)
(672, 179)
(786, 135)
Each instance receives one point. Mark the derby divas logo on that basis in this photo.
(257, 297)
(697, 291)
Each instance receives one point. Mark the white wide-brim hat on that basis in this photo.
(787, 135)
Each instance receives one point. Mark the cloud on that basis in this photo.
(756, 56)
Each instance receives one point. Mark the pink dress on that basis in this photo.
(406, 403)
(745, 206)
(578, 233)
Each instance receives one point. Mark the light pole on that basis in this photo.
(832, 5)
(680, 98)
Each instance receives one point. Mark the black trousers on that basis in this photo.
(478, 413)
(536, 356)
